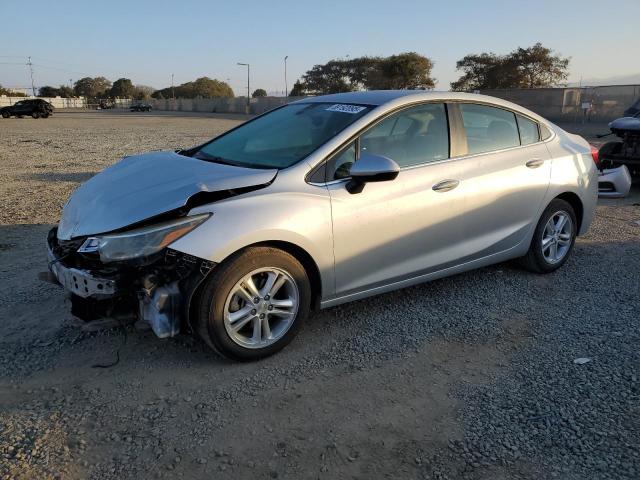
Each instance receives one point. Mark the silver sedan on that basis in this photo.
(316, 203)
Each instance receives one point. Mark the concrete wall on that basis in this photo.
(606, 103)
(57, 102)
(220, 105)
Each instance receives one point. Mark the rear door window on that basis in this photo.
(489, 128)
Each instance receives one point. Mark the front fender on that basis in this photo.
(301, 218)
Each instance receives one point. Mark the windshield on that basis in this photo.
(282, 137)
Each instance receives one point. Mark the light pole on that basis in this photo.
(173, 94)
(286, 87)
(248, 88)
(33, 87)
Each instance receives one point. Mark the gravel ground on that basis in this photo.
(468, 377)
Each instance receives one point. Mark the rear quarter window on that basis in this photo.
(528, 130)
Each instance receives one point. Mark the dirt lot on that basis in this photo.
(467, 377)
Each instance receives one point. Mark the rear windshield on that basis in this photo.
(282, 137)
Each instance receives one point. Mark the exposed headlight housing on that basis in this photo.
(141, 242)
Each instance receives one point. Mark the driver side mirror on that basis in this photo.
(371, 168)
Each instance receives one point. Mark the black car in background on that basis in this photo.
(37, 108)
(140, 107)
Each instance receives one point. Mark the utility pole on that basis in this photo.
(248, 87)
(286, 86)
(33, 87)
(173, 93)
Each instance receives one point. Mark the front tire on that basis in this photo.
(553, 238)
(35, 115)
(253, 304)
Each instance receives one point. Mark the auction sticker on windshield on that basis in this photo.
(344, 108)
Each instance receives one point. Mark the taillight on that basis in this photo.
(595, 153)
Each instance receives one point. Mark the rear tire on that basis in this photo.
(35, 114)
(252, 326)
(6, 114)
(553, 238)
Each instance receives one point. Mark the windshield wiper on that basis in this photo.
(212, 158)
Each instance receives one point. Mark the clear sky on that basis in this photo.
(147, 41)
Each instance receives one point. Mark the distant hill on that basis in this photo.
(615, 80)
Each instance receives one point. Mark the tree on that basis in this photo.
(259, 92)
(538, 67)
(203, 87)
(485, 71)
(403, 71)
(298, 89)
(532, 67)
(123, 88)
(48, 91)
(409, 71)
(65, 91)
(332, 77)
(142, 92)
(10, 93)
(92, 87)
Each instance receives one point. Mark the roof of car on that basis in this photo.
(400, 97)
(380, 97)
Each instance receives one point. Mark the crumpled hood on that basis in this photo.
(143, 186)
(625, 123)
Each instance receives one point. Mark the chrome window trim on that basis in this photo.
(437, 162)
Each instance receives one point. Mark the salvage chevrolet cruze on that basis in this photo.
(319, 202)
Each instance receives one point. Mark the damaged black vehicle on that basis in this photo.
(620, 159)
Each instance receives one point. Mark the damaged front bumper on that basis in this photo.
(157, 289)
(614, 182)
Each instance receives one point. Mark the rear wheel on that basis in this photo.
(253, 304)
(553, 238)
(6, 114)
(35, 114)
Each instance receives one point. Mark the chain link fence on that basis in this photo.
(574, 104)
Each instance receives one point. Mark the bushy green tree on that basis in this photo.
(259, 92)
(142, 92)
(122, 88)
(532, 67)
(403, 71)
(298, 89)
(48, 91)
(203, 87)
(97, 87)
(65, 91)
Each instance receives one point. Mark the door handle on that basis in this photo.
(445, 185)
(534, 163)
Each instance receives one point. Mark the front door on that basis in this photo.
(398, 229)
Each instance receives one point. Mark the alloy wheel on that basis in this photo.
(261, 307)
(557, 237)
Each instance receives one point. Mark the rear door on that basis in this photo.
(504, 178)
